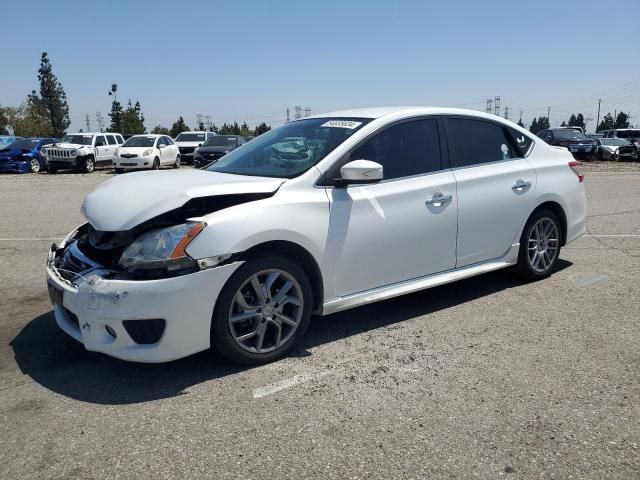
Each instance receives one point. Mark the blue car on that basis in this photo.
(24, 155)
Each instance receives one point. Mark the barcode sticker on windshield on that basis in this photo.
(350, 124)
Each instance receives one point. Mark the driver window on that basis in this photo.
(100, 142)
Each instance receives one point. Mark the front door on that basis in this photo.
(403, 227)
(495, 188)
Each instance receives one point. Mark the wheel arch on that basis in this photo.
(302, 256)
(556, 208)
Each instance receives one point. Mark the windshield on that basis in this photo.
(139, 142)
(628, 133)
(570, 135)
(221, 141)
(614, 141)
(7, 140)
(190, 137)
(77, 139)
(289, 150)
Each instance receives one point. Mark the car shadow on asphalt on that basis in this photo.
(60, 364)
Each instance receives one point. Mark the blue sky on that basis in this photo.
(249, 60)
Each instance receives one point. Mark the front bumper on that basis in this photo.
(134, 163)
(90, 303)
(15, 166)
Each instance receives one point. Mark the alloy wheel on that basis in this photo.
(266, 311)
(543, 244)
(35, 165)
(89, 165)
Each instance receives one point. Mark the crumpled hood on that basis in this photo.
(9, 153)
(70, 146)
(130, 199)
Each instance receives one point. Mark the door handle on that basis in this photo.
(521, 186)
(439, 199)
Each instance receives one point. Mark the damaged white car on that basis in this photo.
(320, 215)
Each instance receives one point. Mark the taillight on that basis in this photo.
(578, 169)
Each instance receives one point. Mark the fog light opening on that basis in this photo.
(111, 331)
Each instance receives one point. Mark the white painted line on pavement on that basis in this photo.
(288, 383)
(587, 282)
(622, 235)
(32, 239)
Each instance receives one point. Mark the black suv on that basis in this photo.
(581, 146)
(215, 148)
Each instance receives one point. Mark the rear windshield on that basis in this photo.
(221, 141)
(139, 142)
(614, 141)
(190, 137)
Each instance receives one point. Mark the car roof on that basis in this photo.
(378, 112)
(93, 133)
(195, 131)
(149, 135)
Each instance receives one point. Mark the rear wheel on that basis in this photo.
(262, 311)
(34, 165)
(539, 245)
(177, 164)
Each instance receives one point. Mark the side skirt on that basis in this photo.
(421, 283)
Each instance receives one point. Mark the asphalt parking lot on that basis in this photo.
(486, 378)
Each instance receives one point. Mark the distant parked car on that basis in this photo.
(616, 149)
(581, 146)
(215, 148)
(146, 151)
(24, 155)
(6, 139)
(82, 151)
(188, 141)
(631, 134)
(595, 136)
(573, 127)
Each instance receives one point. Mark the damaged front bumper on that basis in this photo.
(139, 320)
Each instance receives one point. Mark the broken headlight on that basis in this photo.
(161, 251)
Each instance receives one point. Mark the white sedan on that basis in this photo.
(363, 206)
(146, 152)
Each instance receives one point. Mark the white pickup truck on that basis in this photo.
(82, 151)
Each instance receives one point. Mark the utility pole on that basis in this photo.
(87, 122)
(598, 120)
(288, 115)
(298, 112)
(307, 111)
(521, 116)
(496, 105)
(506, 112)
(99, 120)
(209, 123)
(549, 115)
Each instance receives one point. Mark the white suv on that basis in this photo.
(82, 151)
(187, 142)
(319, 215)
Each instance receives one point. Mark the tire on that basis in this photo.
(88, 165)
(261, 329)
(52, 170)
(532, 266)
(119, 170)
(156, 164)
(177, 164)
(34, 166)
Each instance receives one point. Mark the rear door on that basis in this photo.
(403, 227)
(112, 144)
(102, 150)
(495, 187)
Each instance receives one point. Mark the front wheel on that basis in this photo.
(262, 311)
(539, 245)
(88, 165)
(177, 164)
(156, 164)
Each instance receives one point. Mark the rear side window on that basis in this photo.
(168, 141)
(522, 142)
(403, 150)
(111, 139)
(119, 139)
(474, 142)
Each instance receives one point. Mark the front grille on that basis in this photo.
(145, 332)
(212, 156)
(59, 153)
(186, 149)
(128, 164)
(129, 155)
(626, 150)
(70, 266)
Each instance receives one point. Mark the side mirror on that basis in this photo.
(360, 172)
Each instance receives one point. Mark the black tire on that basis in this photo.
(221, 337)
(52, 170)
(524, 266)
(177, 164)
(119, 170)
(88, 165)
(156, 164)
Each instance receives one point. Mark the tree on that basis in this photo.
(133, 120)
(606, 123)
(201, 126)
(53, 99)
(4, 121)
(33, 120)
(116, 111)
(269, 128)
(12, 116)
(534, 126)
(563, 124)
(160, 130)
(576, 121)
(178, 127)
(622, 120)
(543, 123)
